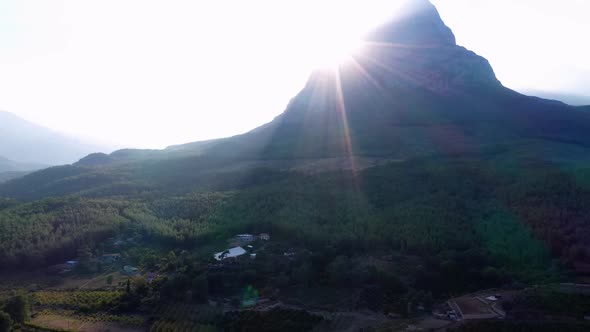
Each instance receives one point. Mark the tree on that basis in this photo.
(110, 279)
(19, 308)
(303, 274)
(5, 322)
(339, 270)
(84, 258)
(141, 288)
(200, 288)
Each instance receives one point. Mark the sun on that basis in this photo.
(332, 30)
(336, 52)
(333, 52)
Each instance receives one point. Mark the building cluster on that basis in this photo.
(242, 240)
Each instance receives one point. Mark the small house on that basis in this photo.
(110, 258)
(71, 264)
(130, 270)
(289, 253)
(229, 253)
(245, 238)
(264, 236)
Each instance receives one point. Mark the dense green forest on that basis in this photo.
(514, 219)
(393, 238)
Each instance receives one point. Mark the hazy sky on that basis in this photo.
(145, 73)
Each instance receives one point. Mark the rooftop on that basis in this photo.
(229, 253)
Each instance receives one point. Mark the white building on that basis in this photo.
(230, 253)
(130, 270)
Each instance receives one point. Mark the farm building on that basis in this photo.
(130, 270)
(470, 307)
(229, 253)
(245, 238)
(110, 258)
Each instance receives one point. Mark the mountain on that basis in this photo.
(571, 99)
(412, 92)
(26, 142)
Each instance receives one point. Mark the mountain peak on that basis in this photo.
(416, 23)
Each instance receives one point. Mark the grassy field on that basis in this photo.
(72, 323)
(68, 320)
(92, 282)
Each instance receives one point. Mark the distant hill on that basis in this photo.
(25, 142)
(11, 170)
(5, 176)
(570, 99)
(7, 165)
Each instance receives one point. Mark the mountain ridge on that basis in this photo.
(577, 100)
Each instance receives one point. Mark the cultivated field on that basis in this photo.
(62, 322)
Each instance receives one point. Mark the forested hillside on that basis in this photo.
(514, 218)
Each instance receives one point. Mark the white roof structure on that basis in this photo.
(130, 269)
(229, 253)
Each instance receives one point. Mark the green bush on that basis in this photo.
(5, 322)
(19, 308)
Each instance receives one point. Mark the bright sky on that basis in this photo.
(143, 73)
